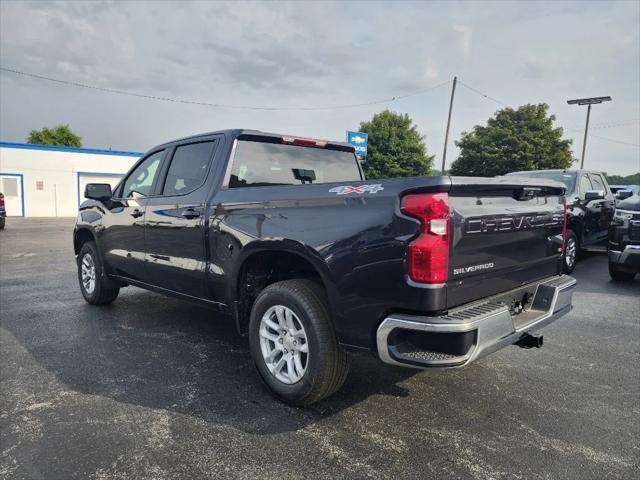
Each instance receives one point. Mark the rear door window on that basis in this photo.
(188, 168)
(597, 182)
(258, 164)
(585, 185)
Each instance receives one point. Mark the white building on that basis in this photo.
(44, 181)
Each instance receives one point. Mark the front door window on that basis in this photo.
(140, 181)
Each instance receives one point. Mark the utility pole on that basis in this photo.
(589, 102)
(584, 141)
(446, 134)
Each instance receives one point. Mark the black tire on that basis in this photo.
(327, 364)
(99, 295)
(620, 276)
(572, 248)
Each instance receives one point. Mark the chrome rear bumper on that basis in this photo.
(474, 330)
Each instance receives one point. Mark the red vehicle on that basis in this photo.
(3, 212)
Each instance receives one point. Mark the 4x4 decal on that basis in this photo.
(346, 189)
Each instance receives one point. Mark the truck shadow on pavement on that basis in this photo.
(161, 353)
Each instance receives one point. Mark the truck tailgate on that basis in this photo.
(505, 233)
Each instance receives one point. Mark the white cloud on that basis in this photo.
(315, 54)
(430, 70)
(464, 35)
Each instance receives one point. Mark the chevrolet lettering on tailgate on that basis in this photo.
(512, 223)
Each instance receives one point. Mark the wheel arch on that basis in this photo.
(263, 265)
(575, 225)
(81, 236)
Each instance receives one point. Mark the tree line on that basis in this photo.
(513, 139)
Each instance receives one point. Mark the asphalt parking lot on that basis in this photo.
(155, 388)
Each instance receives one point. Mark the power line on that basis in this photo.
(571, 129)
(616, 141)
(219, 105)
(313, 108)
(615, 125)
(482, 94)
(606, 138)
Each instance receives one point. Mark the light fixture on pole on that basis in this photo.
(589, 102)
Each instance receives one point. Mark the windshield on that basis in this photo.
(258, 164)
(568, 178)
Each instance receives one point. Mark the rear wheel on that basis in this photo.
(618, 275)
(570, 252)
(293, 344)
(90, 277)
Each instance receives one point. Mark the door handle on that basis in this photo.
(137, 213)
(190, 213)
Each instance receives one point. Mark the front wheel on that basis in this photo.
(90, 277)
(293, 343)
(570, 252)
(618, 275)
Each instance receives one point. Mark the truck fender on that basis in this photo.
(293, 247)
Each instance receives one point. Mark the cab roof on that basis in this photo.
(249, 133)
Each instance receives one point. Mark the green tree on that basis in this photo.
(60, 135)
(513, 140)
(633, 179)
(395, 149)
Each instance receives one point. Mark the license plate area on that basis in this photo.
(542, 303)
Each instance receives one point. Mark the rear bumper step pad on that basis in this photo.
(474, 330)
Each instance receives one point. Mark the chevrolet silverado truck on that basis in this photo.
(313, 262)
(590, 206)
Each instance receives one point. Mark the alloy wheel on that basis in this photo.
(284, 346)
(570, 253)
(88, 273)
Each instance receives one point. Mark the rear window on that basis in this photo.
(188, 168)
(569, 179)
(257, 164)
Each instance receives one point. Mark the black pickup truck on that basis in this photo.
(624, 238)
(312, 261)
(590, 206)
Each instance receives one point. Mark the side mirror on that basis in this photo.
(593, 195)
(622, 194)
(98, 191)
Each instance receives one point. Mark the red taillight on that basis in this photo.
(564, 224)
(305, 142)
(428, 255)
(1, 200)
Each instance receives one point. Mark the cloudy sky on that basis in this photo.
(301, 55)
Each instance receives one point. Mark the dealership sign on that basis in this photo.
(359, 142)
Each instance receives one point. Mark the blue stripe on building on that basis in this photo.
(50, 148)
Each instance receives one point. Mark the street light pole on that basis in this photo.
(446, 134)
(584, 141)
(589, 102)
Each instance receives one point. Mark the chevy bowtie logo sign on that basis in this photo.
(359, 142)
